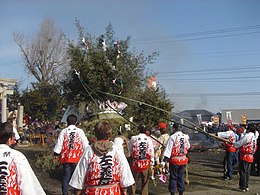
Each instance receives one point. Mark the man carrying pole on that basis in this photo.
(230, 151)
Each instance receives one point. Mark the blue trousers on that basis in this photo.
(229, 160)
(68, 169)
(177, 178)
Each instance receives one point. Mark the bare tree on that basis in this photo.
(45, 54)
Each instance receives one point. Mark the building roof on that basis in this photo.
(8, 81)
(193, 113)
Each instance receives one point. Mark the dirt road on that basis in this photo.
(205, 176)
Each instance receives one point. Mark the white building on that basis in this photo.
(238, 115)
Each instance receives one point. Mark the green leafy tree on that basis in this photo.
(44, 102)
(151, 115)
(13, 100)
(106, 65)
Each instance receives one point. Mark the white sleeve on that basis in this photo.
(85, 141)
(29, 183)
(119, 143)
(58, 146)
(224, 134)
(127, 178)
(168, 149)
(78, 178)
(256, 134)
(242, 141)
(16, 134)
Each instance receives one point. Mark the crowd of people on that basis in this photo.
(114, 165)
(241, 147)
(35, 127)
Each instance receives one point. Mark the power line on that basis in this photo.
(207, 73)
(201, 33)
(210, 54)
(200, 38)
(211, 80)
(246, 67)
(215, 94)
(219, 52)
(190, 75)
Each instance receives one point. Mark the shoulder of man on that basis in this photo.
(134, 137)
(19, 156)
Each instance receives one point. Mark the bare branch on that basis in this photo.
(44, 53)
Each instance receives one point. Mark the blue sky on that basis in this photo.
(209, 50)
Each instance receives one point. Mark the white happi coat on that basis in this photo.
(102, 174)
(70, 145)
(119, 142)
(17, 176)
(177, 148)
(247, 147)
(142, 152)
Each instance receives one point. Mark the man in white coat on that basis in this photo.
(17, 176)
(103, 168)
(70, 146)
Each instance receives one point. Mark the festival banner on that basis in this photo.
(229, 118)
(199, 119)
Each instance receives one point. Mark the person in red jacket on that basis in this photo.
(247, 147)
(71, 143)
(230, 151)
(176, 154)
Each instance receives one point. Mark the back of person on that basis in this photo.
(16, 174)
(72, 142)
(69, 147)
(164, 138)
(180, 148)
(164, 134)
(176, 153)
(247, 150)
(104, 171)
(8, 172)
(123, 143)
(230, 135)
(142, 152)
(142, 157)
(103, 168)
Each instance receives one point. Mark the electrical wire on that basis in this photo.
(215, 94)
(160, 39)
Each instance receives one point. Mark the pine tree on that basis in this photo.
(105, 64)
